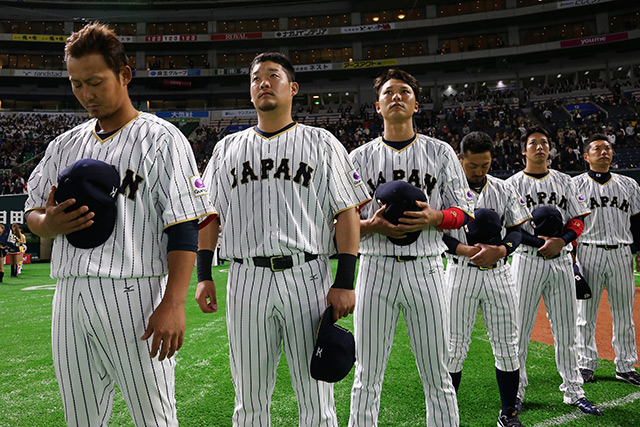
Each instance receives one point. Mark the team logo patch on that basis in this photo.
(356, 179)
(469, 196)
(197, 185)
(581, 198)
(523, 203)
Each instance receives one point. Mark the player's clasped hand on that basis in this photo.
(419, 220)
(378, 224)
(343, 302)
(57, 221)
(488, 255)
(552, 246)
(167, 326)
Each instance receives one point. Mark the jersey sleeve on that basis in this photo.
(455, 189)
(346, 188)
(635, 197)
(42, 178)
(516, 208)
(209, 177)
(182, 194)
(577, 203)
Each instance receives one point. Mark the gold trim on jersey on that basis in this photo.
(415, 138)
(604, 183)
(483, 187)
(102, 141)
(537, 179)
(358, 206)
(519, 223)
(36, 208)
(190, 219)
(253, 129)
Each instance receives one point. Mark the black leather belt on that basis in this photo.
(607, 247)
(403, 258)
(553, 257)
(278, 262)
(470, 264)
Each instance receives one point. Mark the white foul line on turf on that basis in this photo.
(563, 419)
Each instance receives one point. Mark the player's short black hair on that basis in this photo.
(97, 38)
(476, 142)
(395, 73)
(594, 137)
(533, 129)
(278, 58)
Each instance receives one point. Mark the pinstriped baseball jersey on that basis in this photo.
(502, 198)
(555, 189)
(160, 187)
(612, 204)
(427, 163)
(287, 188)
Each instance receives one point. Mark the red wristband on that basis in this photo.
(452, 218)
(576, 226)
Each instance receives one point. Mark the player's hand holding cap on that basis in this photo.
(399, 196)
(335, 350)
(94, 184)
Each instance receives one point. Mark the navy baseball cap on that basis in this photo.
(335, 351)
(583, 290)
(547, 221)
(94, 184)
(485, 228)
(399, 196)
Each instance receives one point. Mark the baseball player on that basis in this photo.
(605, 256)
(110, 299)
(543, 267)
(278, 187)
(478, 274)
(405, 277)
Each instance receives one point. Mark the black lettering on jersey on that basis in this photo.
(304, 171)
(283, 169)
(265, 166)
(603, 201)
(429, 183)
(553, 198)
(235, 178)
(624, 206)
(542, 196)
(398, 174)
(593, 203)
(614, 202)
(530, 201)
(131, 182)
(247, 173)
(381, 180)
(563, 203)
(414, 178)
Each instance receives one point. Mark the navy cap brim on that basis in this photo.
(92, 237)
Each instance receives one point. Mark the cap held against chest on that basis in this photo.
(547, 221)
(485, 228)
(94, 184)
(399, 196)
(335, 350)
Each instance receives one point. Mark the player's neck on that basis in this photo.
(401, 131)
(118, 119)
(273, 121)
(533, 168)
(599, 169)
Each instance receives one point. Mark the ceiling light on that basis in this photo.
(376, 18)
(402, 16)
(559, 75)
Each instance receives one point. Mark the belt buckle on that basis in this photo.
(484, 268)
(399, 258)
(273, 268)
(610, 247)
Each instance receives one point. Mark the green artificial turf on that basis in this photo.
(204, 392)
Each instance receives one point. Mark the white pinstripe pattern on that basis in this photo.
(553, 279)
(495, 293)
(155, 150)
(608, 224)
(276, 215)
(613, 269)
(267, 311)
(384, 288)
(424, 157)
(96, 330)
(105, 295)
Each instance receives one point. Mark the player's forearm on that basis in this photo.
(348, 232)
(37, 224)
(208, 235)
(180, 268)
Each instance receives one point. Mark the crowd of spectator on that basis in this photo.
(23, 139)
